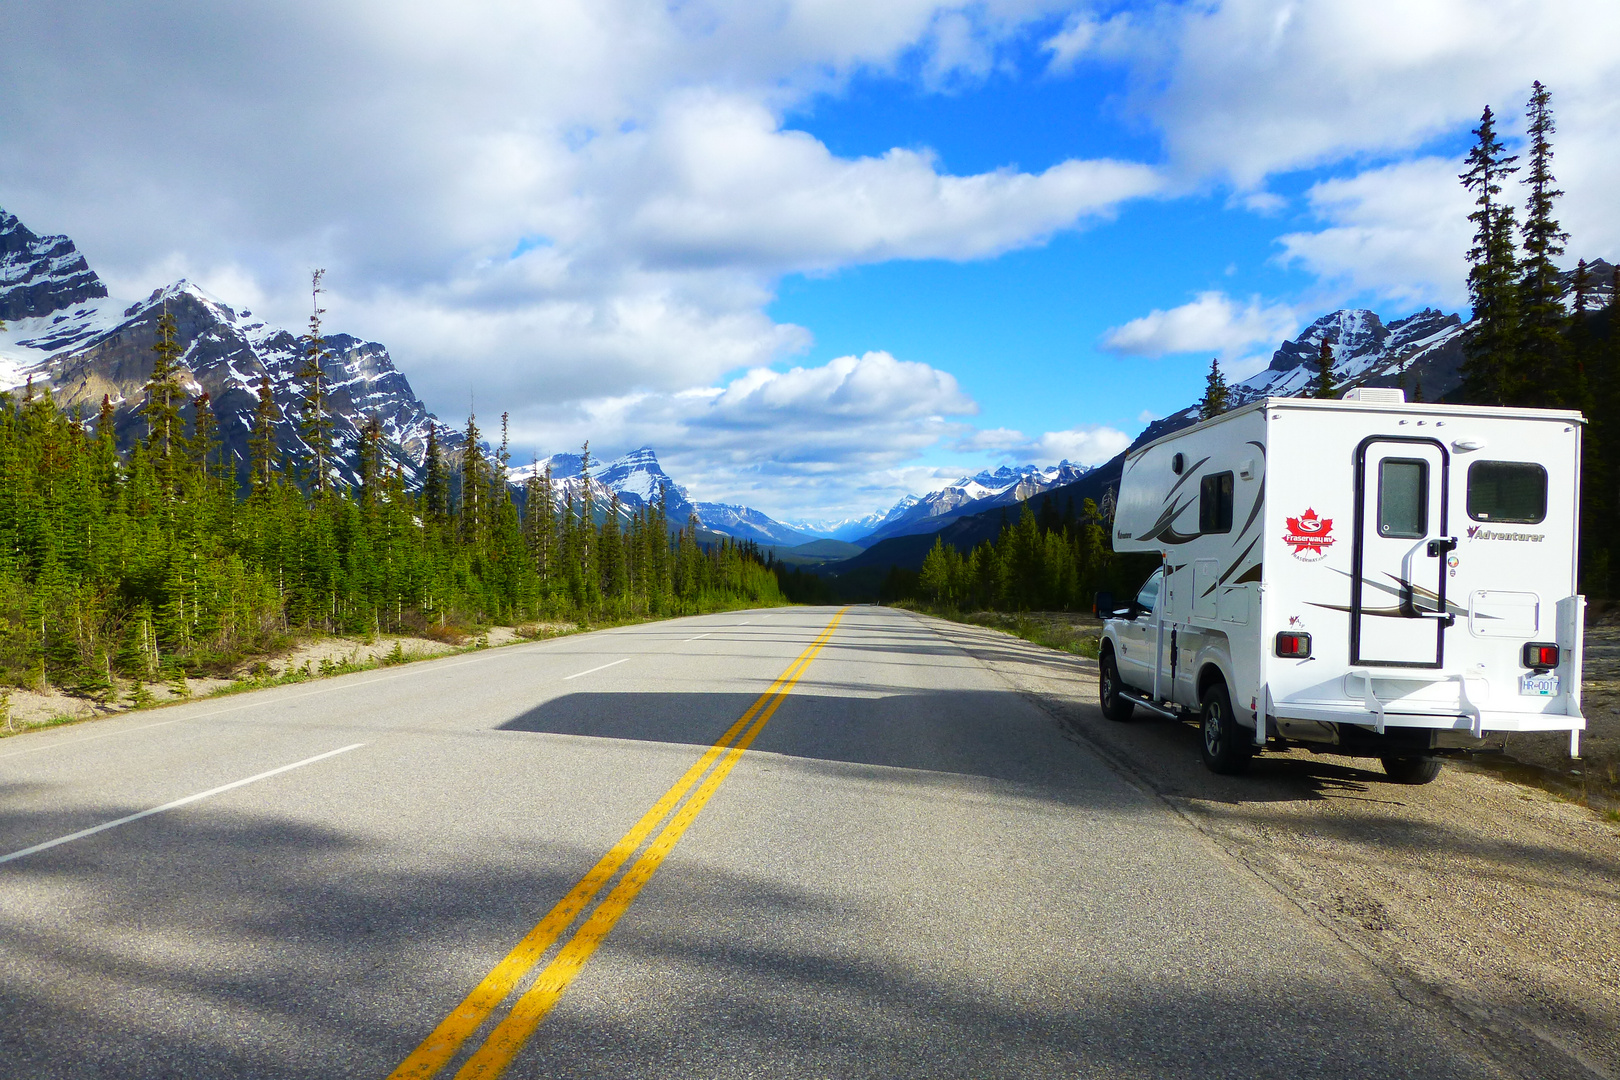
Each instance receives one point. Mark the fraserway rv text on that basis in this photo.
(1365, 576)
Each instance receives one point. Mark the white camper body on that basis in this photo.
(1421, 557)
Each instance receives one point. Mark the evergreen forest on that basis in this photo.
(155, 563)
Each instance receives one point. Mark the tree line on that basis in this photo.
(1050, 560)
(152, 563)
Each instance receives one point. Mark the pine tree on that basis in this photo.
(435, 482)
(262, 441)
(1542, 320)
(473, 484)
(205, 437)
(1215, 393)
(316, 419)
(1489, 373)
(165, 430)
(1324, 371)
(370, 463)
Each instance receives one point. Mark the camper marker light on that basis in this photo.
(1540, 655)
(1294, 646)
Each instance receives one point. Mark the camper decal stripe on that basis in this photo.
(1230, 570)
(1165, 529)
(1186, 476)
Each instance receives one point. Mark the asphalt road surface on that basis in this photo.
(557, 860)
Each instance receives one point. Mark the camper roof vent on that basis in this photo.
(1383, 395)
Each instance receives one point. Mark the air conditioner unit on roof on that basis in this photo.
(1383, 395)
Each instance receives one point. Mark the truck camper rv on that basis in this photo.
(1365, 576)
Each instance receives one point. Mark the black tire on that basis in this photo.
(1226, 744)
(1411, 770)
(1115, 705)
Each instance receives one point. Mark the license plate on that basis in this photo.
(1542, 685)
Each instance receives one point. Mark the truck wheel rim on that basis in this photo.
(1212, 729)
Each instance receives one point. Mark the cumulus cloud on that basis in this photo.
(1091, 444)
(1248, 88)
(810, 439)
(1399, 232)
(1211, 323)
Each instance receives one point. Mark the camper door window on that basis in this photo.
(1403, 498)
(1215, 503)
(1514, 492)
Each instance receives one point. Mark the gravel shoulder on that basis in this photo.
(1496, 901)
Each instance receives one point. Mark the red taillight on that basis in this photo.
(1294, 646)
(1540, 655)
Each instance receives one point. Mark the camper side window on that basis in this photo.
(1403, 498)
(1510, 491)
(1215, 503)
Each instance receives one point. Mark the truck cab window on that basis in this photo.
(1148, 598)
(1509, 491)
(1403, 498)
(1215, 503)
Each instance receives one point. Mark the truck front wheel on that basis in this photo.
(1226, 746)
(1411, 770)
(1115, 705)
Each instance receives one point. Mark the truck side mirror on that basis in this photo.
(1104, 605)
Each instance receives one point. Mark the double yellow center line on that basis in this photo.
(508, 1036)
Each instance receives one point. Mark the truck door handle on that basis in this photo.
(1438, 547)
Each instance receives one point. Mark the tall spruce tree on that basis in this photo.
(165, 429)
(1490, 373)
(435, 482)
(1324, 371)
(316, 419)
(1542, 320)
(474, 484)
(262, 465)
(1215, 392)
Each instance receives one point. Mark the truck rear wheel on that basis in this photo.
(1411, 770)
(1226, 746)
(1115, 705)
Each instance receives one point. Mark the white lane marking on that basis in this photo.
(176, 804)
(699, 636)
(588, 671)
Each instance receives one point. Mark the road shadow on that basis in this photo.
(251, 946)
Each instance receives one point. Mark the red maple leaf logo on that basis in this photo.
(1309, 533)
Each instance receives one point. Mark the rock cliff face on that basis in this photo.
(40, 275)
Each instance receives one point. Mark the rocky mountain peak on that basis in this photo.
(41, 274)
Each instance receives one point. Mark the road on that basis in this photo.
(910, 871)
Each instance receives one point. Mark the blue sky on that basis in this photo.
(817, 254)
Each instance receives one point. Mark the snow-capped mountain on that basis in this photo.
(1421, 353)
(638, 480)
(746, 523)
(854, 528)
(64, 332)
(971, 495)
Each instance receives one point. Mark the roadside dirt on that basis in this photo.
(25, 708)
(1495, 901)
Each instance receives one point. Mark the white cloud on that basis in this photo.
(1400, 232)
(1091, 444)
(1211, 323)
(1247, 88)
(637, 148)
(808, 440)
